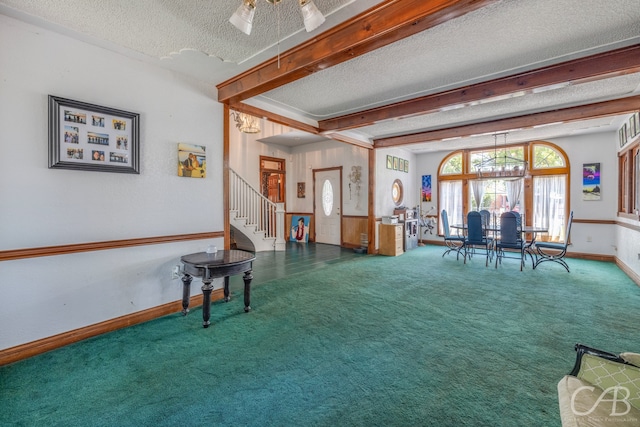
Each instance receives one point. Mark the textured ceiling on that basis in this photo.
(193, 36)
(497, 40)
(562, 97)
(507, 37)
(161, 27)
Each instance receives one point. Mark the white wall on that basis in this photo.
(595, 148)
(628, 245)
(323, 155)
(246, 150)
(45, 296)
(411, 181)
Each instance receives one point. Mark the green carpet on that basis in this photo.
(415, 340)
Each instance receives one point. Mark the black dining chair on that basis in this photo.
(554, 251)
(476, 237)
(453, 243)
(510, 238)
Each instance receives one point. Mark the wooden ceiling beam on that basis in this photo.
(379, 26)
(581, 112)
(600, 66)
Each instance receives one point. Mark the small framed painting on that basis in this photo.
(591, 181)
(426, 188)
(389, 162)
(192, 161)
(299, 229)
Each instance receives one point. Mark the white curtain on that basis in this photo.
(549, 206)
(477, 189)
(450, 196)
(514, 192)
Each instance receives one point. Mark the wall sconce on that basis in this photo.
(355, 177)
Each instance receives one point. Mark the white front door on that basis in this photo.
(328, 204)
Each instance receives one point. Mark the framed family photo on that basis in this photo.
(90, 137)
(192, 160)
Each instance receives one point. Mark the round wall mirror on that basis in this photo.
(396, 192)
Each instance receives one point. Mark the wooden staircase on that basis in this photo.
(255, 217)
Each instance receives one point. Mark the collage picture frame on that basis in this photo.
(91, 137)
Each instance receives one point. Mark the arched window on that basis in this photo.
(546, 156)
(452, 165)
(541, 195)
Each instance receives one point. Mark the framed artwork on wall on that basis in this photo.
(591, 181)
(426, 188)
(90, 137)
(389, 162)
(395, 163)
(192, 160)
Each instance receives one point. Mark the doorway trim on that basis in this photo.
(282, 171)
(315, 208)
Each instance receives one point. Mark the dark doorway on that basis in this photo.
(273, 178)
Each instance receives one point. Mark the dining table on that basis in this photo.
(526, 230)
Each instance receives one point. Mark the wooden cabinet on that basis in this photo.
(391, 239)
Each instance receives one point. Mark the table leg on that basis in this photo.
(186, 293)
(226, 289)
(247, 290)
(207, 287)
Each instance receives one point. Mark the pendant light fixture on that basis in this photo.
(245, 122)
(501, 166)
(242, 19)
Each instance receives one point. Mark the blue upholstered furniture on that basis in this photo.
(510, 238)
(477, 237)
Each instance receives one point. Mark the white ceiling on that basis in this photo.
(507, 37)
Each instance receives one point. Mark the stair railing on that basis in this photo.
(251, 205)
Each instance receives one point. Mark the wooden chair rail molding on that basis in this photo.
(99, 246)
(633, 227)
(24, 351)
(596, 221)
